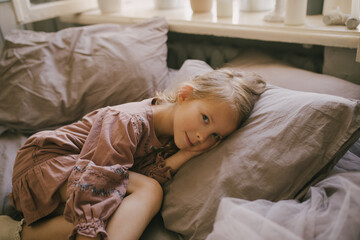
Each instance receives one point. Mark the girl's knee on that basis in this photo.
(151, 188)
(152, 192)
(145, 186)
(154, 188)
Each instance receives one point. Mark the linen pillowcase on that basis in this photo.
(51, 79)
(188, 70)
(291, 140)
(281, 74)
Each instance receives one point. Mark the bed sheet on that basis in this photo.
(9, 145)
(330, 210)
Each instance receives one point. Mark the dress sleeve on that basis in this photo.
(154, 166)
(98, 181)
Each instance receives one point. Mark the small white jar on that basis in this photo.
(224, 8)
(168, 4)
(256, 5)
(109, 6)
(201, 6)
(295, 12)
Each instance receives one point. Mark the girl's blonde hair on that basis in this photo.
(239, 89)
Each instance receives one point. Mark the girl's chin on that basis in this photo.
(179, 146)
(185, 147)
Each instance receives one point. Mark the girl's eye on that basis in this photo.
(205, 118)
(216, 136)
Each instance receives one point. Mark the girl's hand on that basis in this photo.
(200, 148)
(183, 155)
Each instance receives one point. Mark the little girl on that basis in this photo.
(99, 178)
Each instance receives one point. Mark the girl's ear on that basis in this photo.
(184, 92)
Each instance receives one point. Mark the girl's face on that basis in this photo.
(201, 123)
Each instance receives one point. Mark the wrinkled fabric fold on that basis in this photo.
(154, 166)
(89, 229)
(330, 210)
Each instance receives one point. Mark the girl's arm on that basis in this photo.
(97, 176)
(179, 158)
(182, 156)
(161, 167)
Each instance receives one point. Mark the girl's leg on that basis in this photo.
(137, 209)
(143, 201)
(52, 228)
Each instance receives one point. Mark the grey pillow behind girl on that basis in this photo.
(291, 141)
(52, 79)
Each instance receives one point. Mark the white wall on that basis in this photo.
(7, 20)
(340, 62)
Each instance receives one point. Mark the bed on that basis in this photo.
(292, 171)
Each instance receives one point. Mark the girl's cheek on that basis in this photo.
(205, 145)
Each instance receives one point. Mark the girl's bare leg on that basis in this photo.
(52, 228)
(137, 209)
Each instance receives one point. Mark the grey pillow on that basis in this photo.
(51, 79)
(284, 75)
(189, 69)
(291, 141)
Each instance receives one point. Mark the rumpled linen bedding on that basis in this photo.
(330, 210)
(283, 121)
(291, 141)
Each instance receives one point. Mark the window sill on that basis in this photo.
(247, 25)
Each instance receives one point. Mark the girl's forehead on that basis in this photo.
(222, 113)
(216, 104)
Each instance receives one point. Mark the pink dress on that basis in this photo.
(94, 156)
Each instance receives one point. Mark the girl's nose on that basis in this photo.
(201, 136)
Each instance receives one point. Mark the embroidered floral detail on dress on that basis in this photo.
(120, 171)
(101, 191)
(147, 149)
(142, 122)
(81, 170)
(146, 146)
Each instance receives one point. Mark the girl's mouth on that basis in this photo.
(188, 140)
